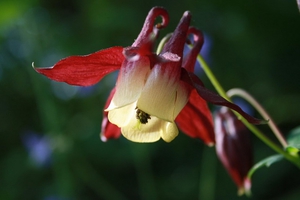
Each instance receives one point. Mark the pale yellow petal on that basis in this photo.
(122, 116)
(159, 93)
(182, 97)
(169, 131)
(131, 80)
(138, 132)
(151, 131)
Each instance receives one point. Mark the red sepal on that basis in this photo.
(109, 130)
(195, 119)
(214, 98)
(85, 70)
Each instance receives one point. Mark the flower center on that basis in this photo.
(142, 116)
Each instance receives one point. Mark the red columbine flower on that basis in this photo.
(151, 90)
(234, 147)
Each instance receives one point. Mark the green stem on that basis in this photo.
(245, 95)
(271, 144)
(142, 162)
(212, 77)
(208, 175)
(251, 127)
(162, 43)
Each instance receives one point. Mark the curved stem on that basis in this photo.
(162, 43)
(251, 127)
(212, 77)
(242, 93)
(271, 144)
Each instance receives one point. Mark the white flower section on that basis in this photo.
(157, 92)
(159, 95)
(122, 116)
(131, 81)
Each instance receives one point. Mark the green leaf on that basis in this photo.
(265, 162)
(293, 151)
(293, 138)
(293, 141)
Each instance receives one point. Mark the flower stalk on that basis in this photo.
(212, 77)
(245, 95)
(251, 127)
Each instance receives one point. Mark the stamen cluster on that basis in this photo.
(142, 116)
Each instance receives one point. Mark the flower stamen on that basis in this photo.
(142, 116)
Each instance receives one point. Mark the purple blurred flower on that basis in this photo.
(39, 148)
(245, 106)
(55, 197)
(206, 49)
(86, 91)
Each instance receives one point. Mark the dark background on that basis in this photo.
(50, 147)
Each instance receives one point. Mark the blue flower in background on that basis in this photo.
(54, 197)
(244, 105)
(39, 148)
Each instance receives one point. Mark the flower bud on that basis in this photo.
(233, 146)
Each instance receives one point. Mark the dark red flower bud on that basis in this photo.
(233, 146)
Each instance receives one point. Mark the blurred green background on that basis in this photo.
(50, 146)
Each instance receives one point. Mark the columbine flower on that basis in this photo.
(151, 90)
(234, 147)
